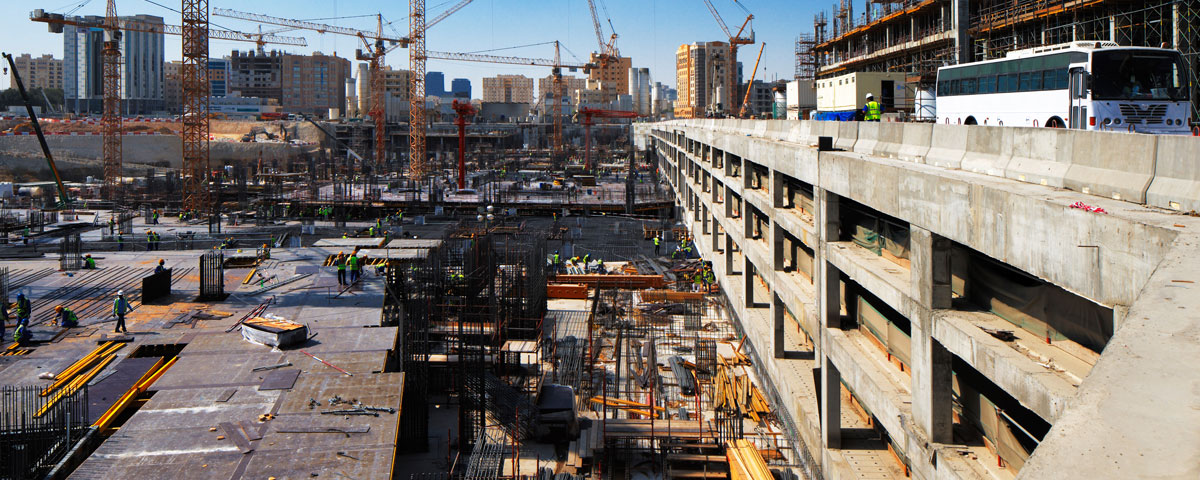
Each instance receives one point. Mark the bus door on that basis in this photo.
(1077, 91)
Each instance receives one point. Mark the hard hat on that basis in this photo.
(160, 261)
(870, 95)
(87, 256)
(58, 308)
(341, 253)
(120, 293)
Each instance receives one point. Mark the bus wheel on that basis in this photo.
(1055, 122)
(970, 121)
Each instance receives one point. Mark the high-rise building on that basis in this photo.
(762, 97)
(310, 84)
(172, 87)
(702, 77)
(41, 72)
(612, 75)
(508, 89)
(314, 83)
(256, 75)
(639, 89)
(460, 88)
(662, 100)
(435, 84)
(141, 69)
(218, 77)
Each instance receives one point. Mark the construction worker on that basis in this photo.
(587, 258)
(344, 234)
(872, 110)
(89, 263)
(371, 231)
(162, 267)
(120, 308)
(600, 266)
(112, 226)
(25, 236)
(22, 336)
(555, 261)
(266, 252)
(710, 278)
(352, 263)
(149, 240)
(340, 261)
(154, 217)
(66, 318)
(697, 281)
(657, 244)
(120, 242)
(23, 308)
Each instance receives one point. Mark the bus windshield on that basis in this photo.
(1138, 75)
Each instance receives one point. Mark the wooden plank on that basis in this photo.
(234, 433)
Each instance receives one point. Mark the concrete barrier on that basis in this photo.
(988, 150)
(821, 129)
(799, 131)
(1176, 183)
(1116, 165)
(947, 145)
(913, 142)
(847, 135)
(1040, 155)
(867, 134)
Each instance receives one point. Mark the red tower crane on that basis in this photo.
(463, 110)
(588, 113)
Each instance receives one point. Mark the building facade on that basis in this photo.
(435, 84)
(41, 72)
(611, 73)
(701, 76)
(256, 75)
(218, 77)
(508, 89)
(460, 88)
(142, 57)
(313, 84)
(172, 87)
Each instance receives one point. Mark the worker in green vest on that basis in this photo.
(21, 335)
(657, 244)
(353, 264)
(66, 318)
(873, 110)
(120, 308)
(23, 308)
(340, 261)
(89, 263)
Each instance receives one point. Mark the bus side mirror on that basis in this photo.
(1080, 83)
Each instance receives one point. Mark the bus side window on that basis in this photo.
(1063, 79)
(1035, 81)
(1023, 86)
(1048, 81)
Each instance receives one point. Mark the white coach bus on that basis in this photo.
(1085, 85)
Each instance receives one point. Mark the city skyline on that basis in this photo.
(649, 32)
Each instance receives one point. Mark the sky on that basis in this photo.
(648, 31)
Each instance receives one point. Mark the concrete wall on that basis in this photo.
(137, 149)
(990, 189)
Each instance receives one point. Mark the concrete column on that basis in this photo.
(777, 313)
(777, 191)
(748, 272)
(778, 256)
(826, 277)
(960, 16)
(728, 254)
(932, 383)
(930, 269)
(831, 404)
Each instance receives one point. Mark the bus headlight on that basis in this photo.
(1108, 121)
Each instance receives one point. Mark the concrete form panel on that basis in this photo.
(1115, 165)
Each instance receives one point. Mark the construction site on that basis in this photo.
(438, 288)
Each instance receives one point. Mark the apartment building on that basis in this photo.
(40, 72)
(508, 89)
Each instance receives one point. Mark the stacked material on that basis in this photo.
(735, 392)
(273, 332)
(745, 461)
(79, 373)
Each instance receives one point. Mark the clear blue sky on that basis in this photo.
(650, 30)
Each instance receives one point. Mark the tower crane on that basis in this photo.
(735, 40)
(607, 51)
(113, 28)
